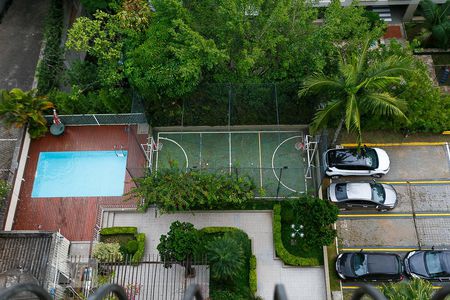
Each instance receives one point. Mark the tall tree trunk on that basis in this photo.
(337, 132)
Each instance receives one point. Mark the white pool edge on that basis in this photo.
(18, 183)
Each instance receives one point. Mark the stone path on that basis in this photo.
(300, 283)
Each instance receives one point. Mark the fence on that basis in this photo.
(152, 278)
(238, 104)
(101, 119)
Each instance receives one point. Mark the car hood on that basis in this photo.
(416, 264)
(343, 265)
(383, 160)
(391, 195)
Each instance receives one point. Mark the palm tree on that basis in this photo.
(226, 257)
(415, 289)
(361, 86)
(17, 108)
(437, 24)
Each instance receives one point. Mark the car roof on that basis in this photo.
(385, 263)
(351, 157)
(359, 190)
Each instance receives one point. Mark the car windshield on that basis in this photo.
(367, 157)
(359, 264)
(378, 194)
(341, 191)
(433, 264)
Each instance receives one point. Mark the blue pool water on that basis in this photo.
(79, 174)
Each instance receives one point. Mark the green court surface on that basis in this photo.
(262, 155)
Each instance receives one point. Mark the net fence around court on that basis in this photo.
(240, 104)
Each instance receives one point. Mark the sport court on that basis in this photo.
(275, 160)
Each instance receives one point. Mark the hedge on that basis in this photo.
(253, 275)
(214, 229)
(118, 230)
(137, 257)
(281, 252)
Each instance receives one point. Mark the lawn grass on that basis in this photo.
(296, 247)
(334, 279)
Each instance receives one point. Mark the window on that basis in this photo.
(341, 191)
(378, 193)
(359, 264)
(365, 159)
(433, 264)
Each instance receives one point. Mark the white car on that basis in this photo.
(359, 195)
(351, 162)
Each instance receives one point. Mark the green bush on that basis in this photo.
(175, 190)
(107, 252)
(131, 247)
(51, 64)
(4, 189)
(281, 252)
(137, 257)
(118, 230)
(253, 275)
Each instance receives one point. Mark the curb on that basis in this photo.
(398, 144)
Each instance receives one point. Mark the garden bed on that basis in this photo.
(244, 285)
(132, 243)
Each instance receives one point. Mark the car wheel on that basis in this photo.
(377, 175)
(335, 177)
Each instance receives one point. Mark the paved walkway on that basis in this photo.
(300, 283)
(20, 40)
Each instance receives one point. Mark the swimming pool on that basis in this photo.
(79, 174)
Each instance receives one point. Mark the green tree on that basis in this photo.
(360, 87)
(226, 257)
(317, 216)
(415, 289)
(173, 189)
(18, 108)
(181, 244)
(437, 22)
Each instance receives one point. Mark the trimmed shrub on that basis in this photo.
(118, 230)
(131, 247)
(107, 252)
(253, 275)
(4, 190)
(281, 252)
(137, 257)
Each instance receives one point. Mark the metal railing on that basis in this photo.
(193, 292)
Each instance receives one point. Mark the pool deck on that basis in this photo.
(76, 217)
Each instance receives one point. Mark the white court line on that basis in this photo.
(273, 159)
(229, 149)
(157, 153)
(260, 160)
(182, 149)
(197, 132)
(200, 154)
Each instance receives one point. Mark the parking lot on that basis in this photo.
(421, 177)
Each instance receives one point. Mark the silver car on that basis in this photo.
(358, 195)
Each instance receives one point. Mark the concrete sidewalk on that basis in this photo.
(300, 283)
(21, 34)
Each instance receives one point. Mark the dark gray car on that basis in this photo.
(366, 266)
(428, 264)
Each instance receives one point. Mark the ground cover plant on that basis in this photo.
(4, 190)
(172, 190)
(131, 243)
